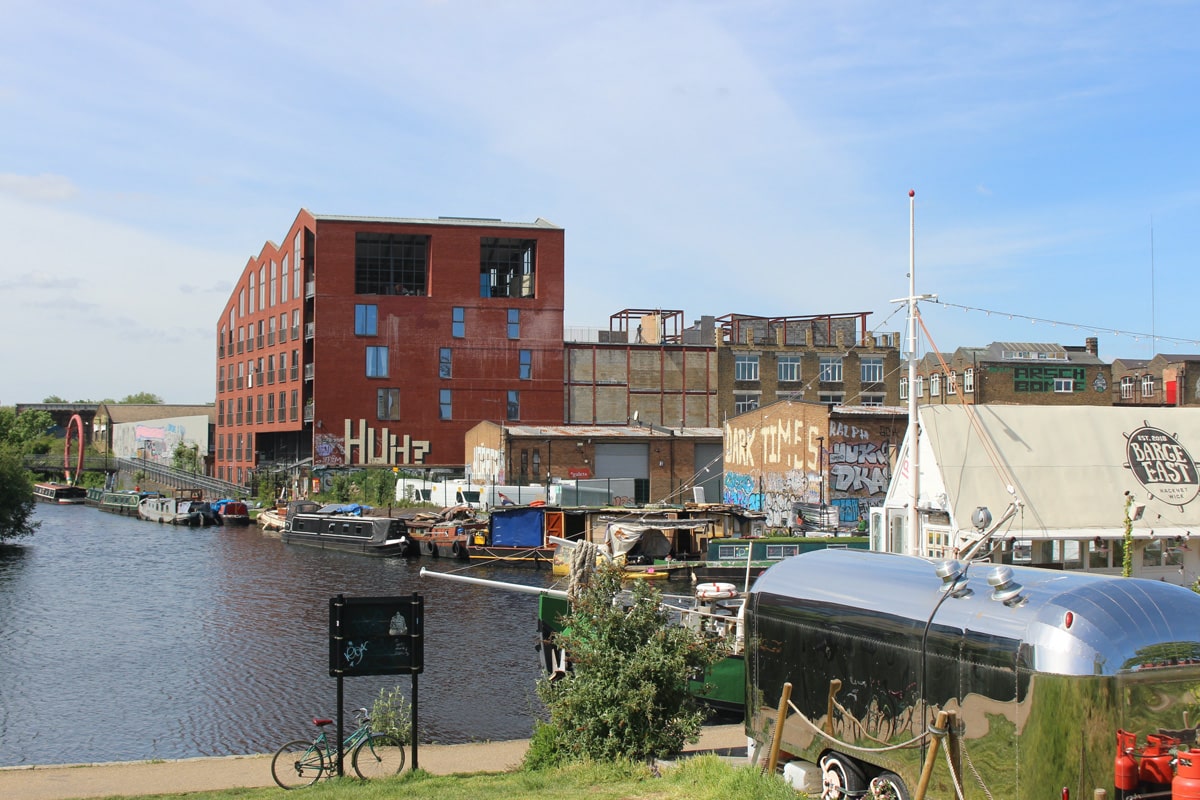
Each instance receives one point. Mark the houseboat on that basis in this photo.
(185, 507)
(232, 512)
(123, 503)
(332, 529)
(59, 493)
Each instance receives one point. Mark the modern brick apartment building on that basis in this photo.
(364, 340)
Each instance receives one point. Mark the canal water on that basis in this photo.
(127, 640)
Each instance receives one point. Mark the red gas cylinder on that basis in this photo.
(1125, 768)
(1155, 768)
(1186, 785)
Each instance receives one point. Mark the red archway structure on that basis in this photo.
(74, 431)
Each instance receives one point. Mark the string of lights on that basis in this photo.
(1135, 335)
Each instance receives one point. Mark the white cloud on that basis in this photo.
(47, 188)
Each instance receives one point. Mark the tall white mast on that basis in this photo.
(914, 432)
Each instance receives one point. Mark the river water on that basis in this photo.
(127, 640)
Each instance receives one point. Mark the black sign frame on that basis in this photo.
(376, 636)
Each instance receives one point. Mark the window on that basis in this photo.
(262, 287)
(295, 406)
(831, 398)
(377, 362)
(282, 368)
(365, 320)
(253, 291)
(270, 408)
(241, 417)
(904, 388)
(297, 273)
(871, 370)
(745, 368)
(831, 369)
(1127, 387)
(1147, 386)
(387, 403)
(873, 398)
(283, 289)
(788, 369)
(514, 404)
(920, 386)
(935, 385)
(282, 405)
(506, 267)
(390, 263)
(274, 281)
(1064, 385)
(744, 401)
(969, 381)
(271, 332)
(270, 369)
(526, 369)
(250, 410)
(221, 413)
(445, 404)
(295, 365)
(514, 323)
(295, 324)
(458, 322)
(445, 363)
(241, 303)
(952, 383)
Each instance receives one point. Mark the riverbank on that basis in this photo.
(71, 781)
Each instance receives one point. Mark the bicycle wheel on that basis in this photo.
(297, 764)
(378, 756)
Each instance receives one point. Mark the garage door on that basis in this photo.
(622, 460)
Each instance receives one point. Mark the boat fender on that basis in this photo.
(715, 591)
(459, 549)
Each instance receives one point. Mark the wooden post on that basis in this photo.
(835, 686)
(938, 730)
(777, 736)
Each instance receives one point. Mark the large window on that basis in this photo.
(935, 385)
(904, 388)
(1147, 386)
(445, 363)
(445, 404)
(788, 369)
(831, 369)
(377, 362)
(514, 404)
(366, 318)
(871, 370)
(506, 267)
(969, 381)
(526, 365)
(390, 263)
(388, 404)
(1127, 387)
(745, 368)
(831, 398)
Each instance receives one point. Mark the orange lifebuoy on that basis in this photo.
(716, 591)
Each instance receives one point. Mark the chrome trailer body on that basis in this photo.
(1039, 684)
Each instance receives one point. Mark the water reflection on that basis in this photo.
(122, 639)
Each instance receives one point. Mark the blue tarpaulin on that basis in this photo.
(518, 528)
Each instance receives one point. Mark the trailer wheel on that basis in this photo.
(888, 786)
(841, 778)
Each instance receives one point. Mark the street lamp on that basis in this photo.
(821, 475)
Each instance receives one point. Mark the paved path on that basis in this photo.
(71, 781)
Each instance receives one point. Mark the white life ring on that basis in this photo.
(715, 591)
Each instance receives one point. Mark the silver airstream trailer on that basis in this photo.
(1040, 668)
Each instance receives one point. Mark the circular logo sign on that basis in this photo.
(1162, 465)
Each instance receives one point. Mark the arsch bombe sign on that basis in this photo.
(1162, 465)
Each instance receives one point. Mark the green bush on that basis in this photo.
(391, 713)
(626, 696)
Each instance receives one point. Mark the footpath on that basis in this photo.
(71, 781)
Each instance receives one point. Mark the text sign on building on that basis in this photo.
(376, 635)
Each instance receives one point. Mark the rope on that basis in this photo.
(975, 772)
(846, 745)
(583, 564)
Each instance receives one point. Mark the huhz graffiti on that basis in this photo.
(391, 450)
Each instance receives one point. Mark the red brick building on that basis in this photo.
(372, 341)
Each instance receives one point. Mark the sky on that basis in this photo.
(749, 157)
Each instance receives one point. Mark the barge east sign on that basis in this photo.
(1162, 465)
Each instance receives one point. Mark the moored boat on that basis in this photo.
(59, 493)
(274, 519)
(232, 512)
(185, 507)
(123, 503)
(331, 529)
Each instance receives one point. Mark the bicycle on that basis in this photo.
(372, 754)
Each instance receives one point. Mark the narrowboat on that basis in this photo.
(185, 507)
(123, 503)
(59, 493)
(232, 512)
(363, 535)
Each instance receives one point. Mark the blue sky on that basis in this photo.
(713, 157)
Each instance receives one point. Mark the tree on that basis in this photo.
(27, 432)
(186, 457)
(53, 399)
(627, 695)
(16, 496)
(141, 398)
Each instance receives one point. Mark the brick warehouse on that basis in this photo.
(364, 340)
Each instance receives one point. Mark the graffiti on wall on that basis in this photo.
(1043, 379)
(859, 470)
(388, 449)
(784, 491)
(487, 465)
(790, 443)
(329, 450)
(742, 490)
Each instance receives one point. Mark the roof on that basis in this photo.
(1069, 466)
(995, 352)
(138, 412)
(611, 431)
(479, 222)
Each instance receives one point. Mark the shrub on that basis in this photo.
(391, 713)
